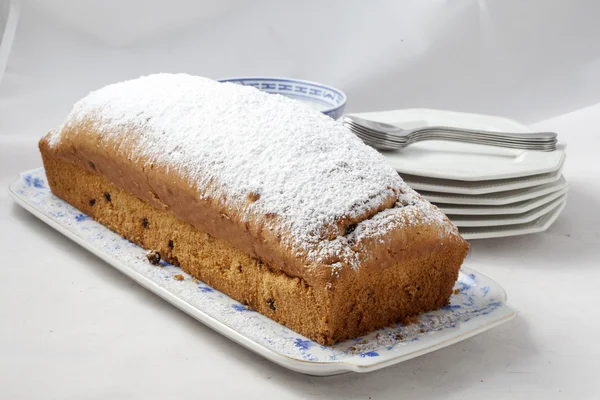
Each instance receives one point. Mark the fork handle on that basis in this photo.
(543, 146)
(488, 134)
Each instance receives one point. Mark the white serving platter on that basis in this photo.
(480, 305)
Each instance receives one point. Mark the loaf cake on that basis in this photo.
(261, 197)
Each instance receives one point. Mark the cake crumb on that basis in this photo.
(195, 280)
(456, 291)
(154, 257)
(422, 330)
(253, 197)
(179, 277)
(399, 337)
(411, 319)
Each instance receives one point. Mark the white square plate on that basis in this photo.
(516, 208)
(495, 199)
(463, 161)
(509, 219)
(479, 306)
(480, 187)
(539, 225)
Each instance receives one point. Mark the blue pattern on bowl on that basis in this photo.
(328, 100)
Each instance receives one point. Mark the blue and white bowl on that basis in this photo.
(328, 100)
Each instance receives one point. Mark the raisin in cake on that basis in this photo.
(259, 196)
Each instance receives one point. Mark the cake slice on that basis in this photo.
(269, 201)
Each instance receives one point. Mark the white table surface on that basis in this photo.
(73, 328)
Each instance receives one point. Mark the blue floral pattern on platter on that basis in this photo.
(328, 100)
(478, 306)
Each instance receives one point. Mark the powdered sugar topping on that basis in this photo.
(298, 164)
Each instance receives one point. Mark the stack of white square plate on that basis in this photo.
(486, 191)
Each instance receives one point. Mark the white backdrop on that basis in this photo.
(529, 60)
(71, 327)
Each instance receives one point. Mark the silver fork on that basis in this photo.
(389, 137)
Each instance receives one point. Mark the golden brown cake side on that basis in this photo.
(420, 281)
